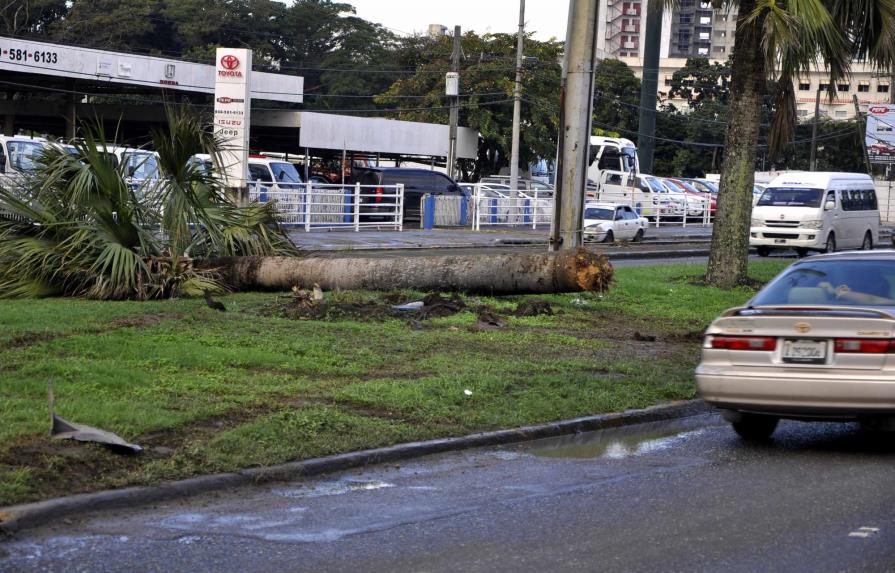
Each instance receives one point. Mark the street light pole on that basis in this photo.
(517, 101)
(576, 100)
(453, 89)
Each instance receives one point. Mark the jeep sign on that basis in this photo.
(232, 109)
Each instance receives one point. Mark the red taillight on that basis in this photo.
(766, 343)
(379, 194)
(863, 346)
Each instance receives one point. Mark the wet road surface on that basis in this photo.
(685, 495)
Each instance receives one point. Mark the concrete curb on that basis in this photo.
(26, 516)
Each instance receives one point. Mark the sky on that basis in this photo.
(545, 17)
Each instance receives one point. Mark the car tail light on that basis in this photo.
(766, 343)
(379, 193)
(864, 346)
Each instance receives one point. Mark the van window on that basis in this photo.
(285, 173)
(141, 165)
(789, 197)
(23, 155)
(859, 200)
(259, 173)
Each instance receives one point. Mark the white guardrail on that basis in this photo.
(316, 206)
(504, 208)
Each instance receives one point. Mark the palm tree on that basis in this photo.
(776, 41)
(76, 226)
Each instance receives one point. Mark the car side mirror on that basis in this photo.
(829, 205)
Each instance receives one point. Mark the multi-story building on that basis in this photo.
(864, 82)
(693, 29)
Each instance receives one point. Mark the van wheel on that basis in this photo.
(755, 426)
(639, 236)
(831, 244)
(763, 251)
(610, 237)
(867, 245)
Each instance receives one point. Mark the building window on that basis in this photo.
(802, 112)
(823, 86)
(882, 87)
(843, 87)
(668, 80)
(840, 113)
(804, 86)
(825, 113)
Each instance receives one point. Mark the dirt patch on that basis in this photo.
(29, 339)
(388, 307)
(143, 320)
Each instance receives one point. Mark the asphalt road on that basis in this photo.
(685, 495)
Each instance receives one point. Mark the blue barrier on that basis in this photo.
(262, 194)
(464, 211)
(348, 209)
(637, 209)
(429, 212)
(526, 211)
(493, 217)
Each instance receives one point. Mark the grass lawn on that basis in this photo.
(205, 391)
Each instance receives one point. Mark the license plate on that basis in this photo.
(780, 241)
(805, 351)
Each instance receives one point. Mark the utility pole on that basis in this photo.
(862, 133)
(452, 85)
(649, 86)
(813, 163)
(576, 116)
(517, 102)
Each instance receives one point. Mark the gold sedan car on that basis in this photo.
(816, 343)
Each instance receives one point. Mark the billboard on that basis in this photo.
(880, 136)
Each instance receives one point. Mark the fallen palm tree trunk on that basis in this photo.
(566, 271)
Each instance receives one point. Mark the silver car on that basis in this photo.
(816, 343)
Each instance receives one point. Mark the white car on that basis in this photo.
(816, 343)
(608, 222)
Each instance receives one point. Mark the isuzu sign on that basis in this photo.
(880, 136)
(232, 107)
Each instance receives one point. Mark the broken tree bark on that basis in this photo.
(566, 271)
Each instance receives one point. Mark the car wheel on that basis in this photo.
(867, 245)
(830, 247)
(801, 252)
(609, 238)
(639, 236)
(755, 426)
(763, 251)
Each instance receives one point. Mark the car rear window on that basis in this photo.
(832, 283)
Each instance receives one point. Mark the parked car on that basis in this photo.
(810, 211)
(816, 343)
(704, 185)
(688, 187)
(417, 182)
(608, 222)
(695, 204)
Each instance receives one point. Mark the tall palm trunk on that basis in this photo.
(730, 237)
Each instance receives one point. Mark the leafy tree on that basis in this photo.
(487, 79)
(29, 17)
(616, 97)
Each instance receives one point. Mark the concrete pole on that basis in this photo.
(517, 101)
(812, 165)
(649, 86)
(455, 107)
(862, 133)
(576, 100)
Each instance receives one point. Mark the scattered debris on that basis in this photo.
(533, 308)
(410, 306)
(644, 337)
(468, 392)
(488, 319)
(317, 293)
(213, 304)
(436, 306)
(62, 429)
(579, 302)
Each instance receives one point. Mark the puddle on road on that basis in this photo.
(618, 443)
(332, 488)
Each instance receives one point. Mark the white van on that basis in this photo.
(19, 153)
(809, 211)
(645, 193)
